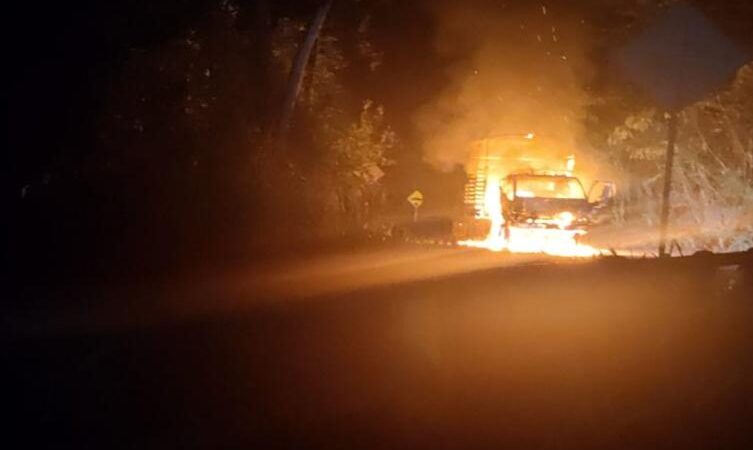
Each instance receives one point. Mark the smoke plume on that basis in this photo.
(517, 67)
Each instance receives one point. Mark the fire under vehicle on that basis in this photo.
(521, 184)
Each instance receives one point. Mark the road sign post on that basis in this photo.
(416, 199)
(668, 165)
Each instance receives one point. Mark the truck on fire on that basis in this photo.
(523, 190)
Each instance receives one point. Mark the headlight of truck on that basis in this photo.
(564, 219)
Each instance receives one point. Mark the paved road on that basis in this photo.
(226, 291)
(421, 349)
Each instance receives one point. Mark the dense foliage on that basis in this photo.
(712, 197)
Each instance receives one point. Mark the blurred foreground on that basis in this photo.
(429, 348)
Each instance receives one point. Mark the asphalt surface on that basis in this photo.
(419, 348)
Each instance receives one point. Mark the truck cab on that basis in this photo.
(542, 200)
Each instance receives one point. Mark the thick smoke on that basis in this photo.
(518, 67)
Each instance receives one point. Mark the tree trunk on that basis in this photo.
(299, 67)
(263, 26)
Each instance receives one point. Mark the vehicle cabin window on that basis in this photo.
(549, 187)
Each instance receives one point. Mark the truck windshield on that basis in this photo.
(549, 187)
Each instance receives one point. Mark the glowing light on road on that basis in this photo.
(550, 241)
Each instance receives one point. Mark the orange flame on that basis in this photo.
(551, 241)
(490, 160)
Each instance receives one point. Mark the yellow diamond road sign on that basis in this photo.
(416, 199)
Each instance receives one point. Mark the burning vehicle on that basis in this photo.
(522, 195)
(551, 201)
